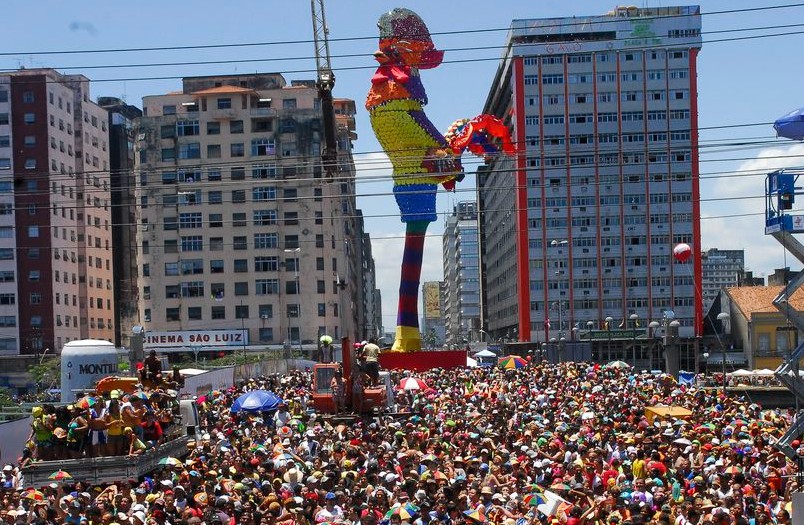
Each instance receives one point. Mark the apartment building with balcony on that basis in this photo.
(238, 229)
(56, 265)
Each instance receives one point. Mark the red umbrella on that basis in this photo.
(412, 383)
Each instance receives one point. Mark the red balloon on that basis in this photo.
(682, 252)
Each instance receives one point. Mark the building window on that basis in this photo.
(267, 286)
(289, 103)
(29, 118)
(192, 243)
(322, 310)
(236, 127)
(169, 110)
(194, 313)
(266, 240)
(237, 149)
(172, 314)
(241, 288)
(266, 264)
(33, 231)
(240, 243)
(213, 151)
(241, 265)
(266, 335)
(262, 147)
(190, 151)
(30, 164)
(218, 312)
(33, 276)
(241, 311)
(224, 103)
(186, 128)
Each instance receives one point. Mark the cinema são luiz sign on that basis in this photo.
(184, 340)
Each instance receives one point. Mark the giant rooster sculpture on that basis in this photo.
(422, 158)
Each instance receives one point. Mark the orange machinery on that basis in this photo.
(373, 397)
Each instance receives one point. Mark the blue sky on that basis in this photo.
(740, 82)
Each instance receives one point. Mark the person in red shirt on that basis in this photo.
(151, 429)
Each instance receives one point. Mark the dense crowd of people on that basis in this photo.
(567, 443)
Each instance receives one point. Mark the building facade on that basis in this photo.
(461, 303)
(122, 137)
(371, 310)
(581, 225)
(238, 229)
(433, 329)
(56, 265)
(720, 269)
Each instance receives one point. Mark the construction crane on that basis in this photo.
(325, 83)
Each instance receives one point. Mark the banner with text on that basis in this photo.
(191, 339)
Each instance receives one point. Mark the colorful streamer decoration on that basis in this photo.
(422, 158)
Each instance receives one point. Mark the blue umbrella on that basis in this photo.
(256, 401)
(791, 126)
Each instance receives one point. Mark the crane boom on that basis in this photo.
(325, 83)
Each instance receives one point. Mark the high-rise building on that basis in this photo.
(461, 275)
(581, 225)
(433, 329)
(55, 213)
(720, 269)
(370, 310)
(124, 218)
(239, 231)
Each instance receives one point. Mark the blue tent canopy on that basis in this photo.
(256, 401)
(791, 126)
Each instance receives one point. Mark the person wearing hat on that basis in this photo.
(330, 511)
(42, 425)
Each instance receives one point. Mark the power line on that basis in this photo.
(353, 55)
(464, 61)
(374, 37)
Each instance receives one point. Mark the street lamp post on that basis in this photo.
(634, 321)
(609, 320)
(653, 325)
(297, 262)
(724, 318)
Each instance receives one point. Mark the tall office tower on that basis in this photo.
(581, 225)
(462, 275)
(55, 213)
(368, 326)
(720, 269)
(239, 231)
(124, 219)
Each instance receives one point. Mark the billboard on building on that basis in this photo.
(432, 299)
(189, 339)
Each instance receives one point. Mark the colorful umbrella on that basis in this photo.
(60, 475)
(405, 512)
(412, 383)
(86, 402)
(170, 462)
(475, 515)
(34, 495)
(733, 470)
(511, 362)
(618, 364)
(534, 498)
(560, 486)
